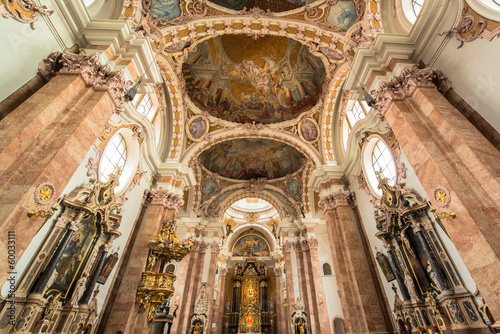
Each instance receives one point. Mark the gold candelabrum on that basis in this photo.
(157, 288)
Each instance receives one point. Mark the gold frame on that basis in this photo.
(207, 128)
(307, 119)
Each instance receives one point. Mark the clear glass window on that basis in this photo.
(114, 156)
(145, 107)
(382, 160)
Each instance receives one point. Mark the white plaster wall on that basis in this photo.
(23, 48)
(473, 69)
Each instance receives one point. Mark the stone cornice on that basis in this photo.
(404, 85)
(165, 198)
(93, 72)
(332, 201)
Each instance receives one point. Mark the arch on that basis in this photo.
(338, 325)
(170, 268)
(250, 131)
(105, 10)
(327, 269)
(242, 229)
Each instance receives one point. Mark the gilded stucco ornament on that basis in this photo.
(464, 33)
(442, 197)
(44, 193)
(24, 11)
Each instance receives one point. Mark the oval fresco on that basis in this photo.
(251, 245)
(252, 158)
(266, 80)
(209, 186)
(294, 188)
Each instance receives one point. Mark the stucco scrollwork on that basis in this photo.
(464, 33)
(24, 11)
(332, 201)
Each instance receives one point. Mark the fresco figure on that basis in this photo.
(166, 9)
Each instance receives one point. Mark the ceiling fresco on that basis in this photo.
(275, 6)
(252, 158)
(241, 79)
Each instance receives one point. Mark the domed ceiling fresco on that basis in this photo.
(241, 79)
(250, 158)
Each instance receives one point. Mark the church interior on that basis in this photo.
(250, 166)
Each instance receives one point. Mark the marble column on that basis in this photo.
(194, 278)
(220, 300)
(47, 137)
(95, 274)
(280, 322)
(360, 305)
(396, 270)
(214, 253)
(290, 294)
(181, 287)
(125, 315)
(446, 150)
(322, 319)
(305, 280)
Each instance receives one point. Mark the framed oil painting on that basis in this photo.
(75, 256)
(386, 268)
(309, 130)
(107, 268)
(197, 128)
(251, 245)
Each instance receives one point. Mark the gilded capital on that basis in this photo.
(404, 85)
(286, 247)
(215, 247)
(95, 74)
(332, 201)
(166, 198)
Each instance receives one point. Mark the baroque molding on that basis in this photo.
(24, 11)
(465, 26)
(332, 201)
(99, 76)
(286, 247)
(405, 84)
(215, 247)
(166, 198)
(44, 193)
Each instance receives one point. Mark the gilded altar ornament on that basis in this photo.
(443, 215)
(156, 288)
(41, 213)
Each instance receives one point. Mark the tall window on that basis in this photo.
(356, 111)
(114, 156)
(144, 106)
(327, 270)
(382, 160)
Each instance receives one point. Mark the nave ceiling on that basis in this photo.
(253, 92)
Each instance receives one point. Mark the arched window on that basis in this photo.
(114, 156)
(355, 111)
(170, 269)
(327, 270)
(377, 156)
(411, 9)
(383, 161)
